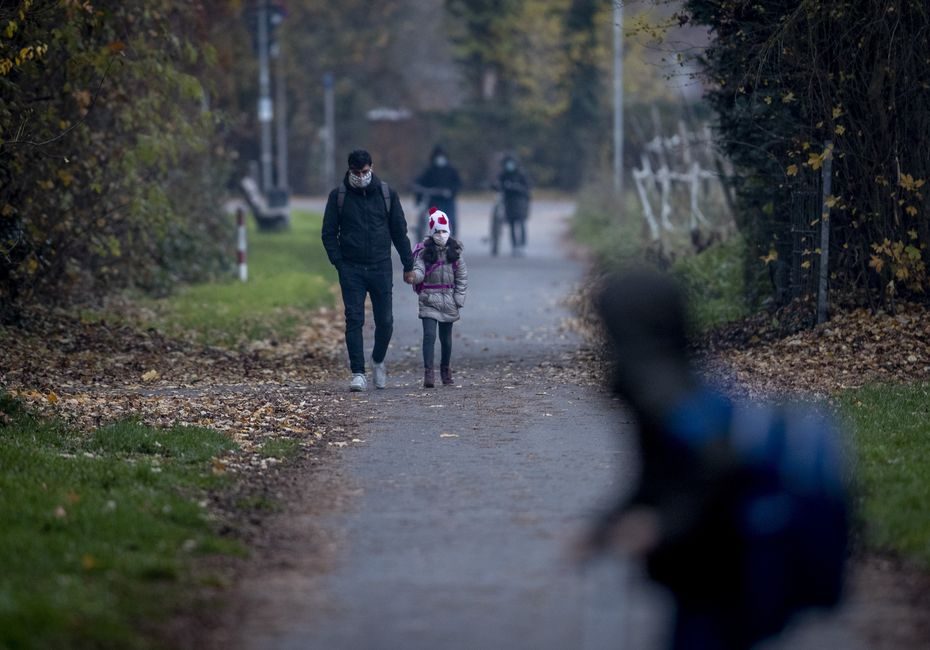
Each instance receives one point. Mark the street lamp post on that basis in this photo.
(265, 107)
(329, 130)
(618, 98)
(281, 122)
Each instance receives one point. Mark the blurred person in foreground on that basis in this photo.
(363, 217)
(741, 510)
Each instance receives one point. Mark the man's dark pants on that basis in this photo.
(357, 280)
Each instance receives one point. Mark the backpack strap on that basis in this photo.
(385, 193)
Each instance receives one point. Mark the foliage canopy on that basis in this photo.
(110, 160)
(795, 83)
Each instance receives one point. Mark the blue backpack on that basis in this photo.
(787, 510)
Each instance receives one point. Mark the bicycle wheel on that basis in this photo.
(420, 226)
(496, 227)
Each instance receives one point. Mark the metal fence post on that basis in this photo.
(241, 250)
(822, 290)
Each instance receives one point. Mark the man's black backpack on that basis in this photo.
(385, 193)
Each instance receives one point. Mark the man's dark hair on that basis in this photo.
(359, 158)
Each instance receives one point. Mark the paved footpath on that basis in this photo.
(459, 503)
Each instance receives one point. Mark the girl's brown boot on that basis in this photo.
(446, 373)
(429, 378)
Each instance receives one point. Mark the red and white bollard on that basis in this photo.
(240, 254)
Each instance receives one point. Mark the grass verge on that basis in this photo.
(100, 532)
(891, 426)
(289, 275)
(713, 279)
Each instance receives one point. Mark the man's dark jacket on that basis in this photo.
(364, 231)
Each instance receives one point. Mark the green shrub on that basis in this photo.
(712, 279)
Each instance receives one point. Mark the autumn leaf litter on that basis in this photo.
(92, 374)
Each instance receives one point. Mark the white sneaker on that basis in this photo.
(379, 374)
(359, 383)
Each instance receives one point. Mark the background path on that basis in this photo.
(456, 506)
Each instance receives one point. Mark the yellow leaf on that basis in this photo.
(909, 183)
(877, 263)
(792, 170)
(52, 397)
(837, 111)
(831, 201)
(806, 264)
(839, 129)
(911, 210)
(815, 161)
(912, 234)
(787, 98)
(771, 257)
(151, 375)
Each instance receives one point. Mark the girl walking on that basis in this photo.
(440, 277)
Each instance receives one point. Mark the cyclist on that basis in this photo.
(438, 186)
(516, 189)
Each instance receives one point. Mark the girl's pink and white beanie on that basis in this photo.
(437, 220)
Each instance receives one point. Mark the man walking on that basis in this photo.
(363, 218)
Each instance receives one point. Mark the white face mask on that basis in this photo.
(360, 181)
(441, 237)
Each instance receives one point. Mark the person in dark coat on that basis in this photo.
(363, 218)
(438, 185)
(513, 183)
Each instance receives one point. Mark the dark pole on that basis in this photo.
(823, 286)
(265, 107)
(618, 99)
(329, 119)
(281, 112)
